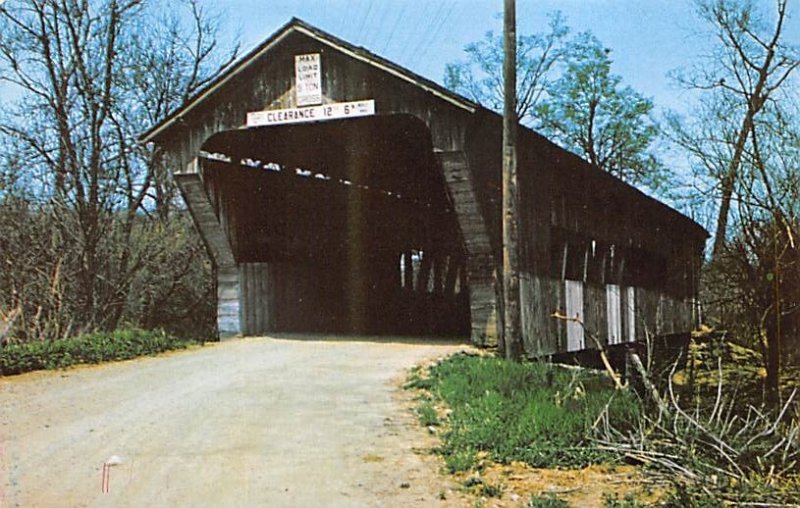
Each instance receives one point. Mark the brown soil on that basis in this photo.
(579, 487)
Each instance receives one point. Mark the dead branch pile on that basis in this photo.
(735, 453)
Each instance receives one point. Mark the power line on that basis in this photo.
(429, 29)
(343, 19)
(437, 32)
(378, 28)
(363, 22)
(394, 28)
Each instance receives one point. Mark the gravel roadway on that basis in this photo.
(250, 422)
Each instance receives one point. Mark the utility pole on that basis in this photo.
(512, 339)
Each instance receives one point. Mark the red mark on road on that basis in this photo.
(106, 474)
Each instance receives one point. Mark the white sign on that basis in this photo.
(312, 113)
(308, 79)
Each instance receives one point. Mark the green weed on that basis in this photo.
(427, 414)
(460, 460)
(537, 413)
(490, 490)
(629, 501)
(549, 501)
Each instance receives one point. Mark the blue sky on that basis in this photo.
(648, 38)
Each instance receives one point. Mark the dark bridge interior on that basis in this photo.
(340, 227)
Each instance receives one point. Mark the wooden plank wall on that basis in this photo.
(652, 314)
(228, 307)
(256, 298)
(540, 297)
(575, 311)
(595, 302)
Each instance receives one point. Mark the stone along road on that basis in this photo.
(250, 422)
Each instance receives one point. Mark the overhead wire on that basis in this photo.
(363, 22)
(437, 31)
(346, 12)
(394, 28)
(420, 29)
(431, 23)
(373, 40)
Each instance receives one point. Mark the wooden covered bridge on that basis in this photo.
(338, 192)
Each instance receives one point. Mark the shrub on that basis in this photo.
(91, 348)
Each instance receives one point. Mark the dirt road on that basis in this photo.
(251, 422)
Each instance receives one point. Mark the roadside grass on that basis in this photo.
(536, 413)
(96, 347)
(714, 441)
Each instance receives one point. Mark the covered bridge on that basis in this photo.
(338, 192)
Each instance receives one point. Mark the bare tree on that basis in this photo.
(742, 142)
(750, 62)
(92, 75)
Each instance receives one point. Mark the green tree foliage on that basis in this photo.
(481, 77)
(567, 91)
(588, 111)
(89, 213)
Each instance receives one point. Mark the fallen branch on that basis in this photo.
(603, 356)
(639, 366)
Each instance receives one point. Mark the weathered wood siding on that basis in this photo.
(612, 314)
(579, 227)
(257, 298)
(268, 84)
(228, 308)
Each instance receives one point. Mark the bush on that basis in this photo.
(92, 348)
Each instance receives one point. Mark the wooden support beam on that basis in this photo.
(453, 265)
(408, 271)
(480, 262)
(424, 275)
(216, 241)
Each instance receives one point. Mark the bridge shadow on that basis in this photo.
(376, 339)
